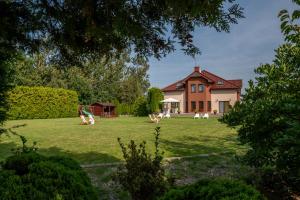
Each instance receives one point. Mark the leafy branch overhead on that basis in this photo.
(103, 27)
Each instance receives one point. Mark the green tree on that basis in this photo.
(140, 107)
(77, 30)
(154, 97)
(268, 116)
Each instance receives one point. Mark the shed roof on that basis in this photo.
(103, 104)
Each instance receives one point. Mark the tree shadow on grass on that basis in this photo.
(189, 145)
(82, 158)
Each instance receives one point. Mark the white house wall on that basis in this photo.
(222, 95)
(178, 95)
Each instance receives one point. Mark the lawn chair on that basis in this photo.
(168, 115)
(161, 115)
(205, 116)
(153, 118)
(197, 115)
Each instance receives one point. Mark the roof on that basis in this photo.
(227, 84)
(103, 104)
(210, 77)
(173, 87)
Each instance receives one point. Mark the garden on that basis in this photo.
(59, 57)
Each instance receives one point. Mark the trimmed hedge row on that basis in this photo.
(41, 103)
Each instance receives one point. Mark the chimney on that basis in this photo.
(197, 69)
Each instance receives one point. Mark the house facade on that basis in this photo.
(203, 91)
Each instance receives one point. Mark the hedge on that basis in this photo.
(41, 103)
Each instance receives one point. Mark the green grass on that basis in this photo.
(180, 136)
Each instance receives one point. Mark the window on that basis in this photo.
(201, 106)
(193, 106)
(200, 87)
(193, 87)
(209, 106)
(220, 82)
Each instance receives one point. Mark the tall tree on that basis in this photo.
(78, 29)
(154, 97)
(268, 117)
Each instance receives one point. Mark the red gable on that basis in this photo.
(217, 82)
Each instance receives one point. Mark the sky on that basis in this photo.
(232, 55)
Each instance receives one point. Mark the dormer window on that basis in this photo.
(220, 82)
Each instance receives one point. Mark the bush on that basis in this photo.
(123, 108)
(267, 118)
(154, 97)
(140, 107)
(33, 176)
(143, 177)
(42, 103)
(220, 189)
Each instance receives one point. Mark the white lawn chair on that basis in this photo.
(153, 118)
(168, 115)
(161, 115)
(205, 116)
(197, 115)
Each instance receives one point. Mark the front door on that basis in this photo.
(223, 106)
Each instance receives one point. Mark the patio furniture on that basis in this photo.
(153, 118)
(197, 115)
(168, 115)
(205, 116)
(161, 115)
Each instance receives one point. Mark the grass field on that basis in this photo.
(180, 136)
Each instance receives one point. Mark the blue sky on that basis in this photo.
(232, 55)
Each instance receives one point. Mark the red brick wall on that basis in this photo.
(197, 96)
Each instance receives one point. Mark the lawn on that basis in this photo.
(181, 136)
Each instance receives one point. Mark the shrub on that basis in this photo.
(41, 103)
(32, 176)
(140, 107)
(142, 176)
(123, 108)
(267, 119)
(221, 189)
(154, 97)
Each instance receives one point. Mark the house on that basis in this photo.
(203, 91)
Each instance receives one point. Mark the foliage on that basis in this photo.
(33, 176)
(154, 97)
(142, 176)
(214, 189)
(76, 31)
(100, 80)
(140, 107)
(41, 102)
(124, 109)
(267, 119)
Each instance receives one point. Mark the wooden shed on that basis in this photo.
(103, 109)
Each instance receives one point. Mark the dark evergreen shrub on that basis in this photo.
(216, 189)
(41, 103)
(154, 97)
(140, 107)
(32, 176)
